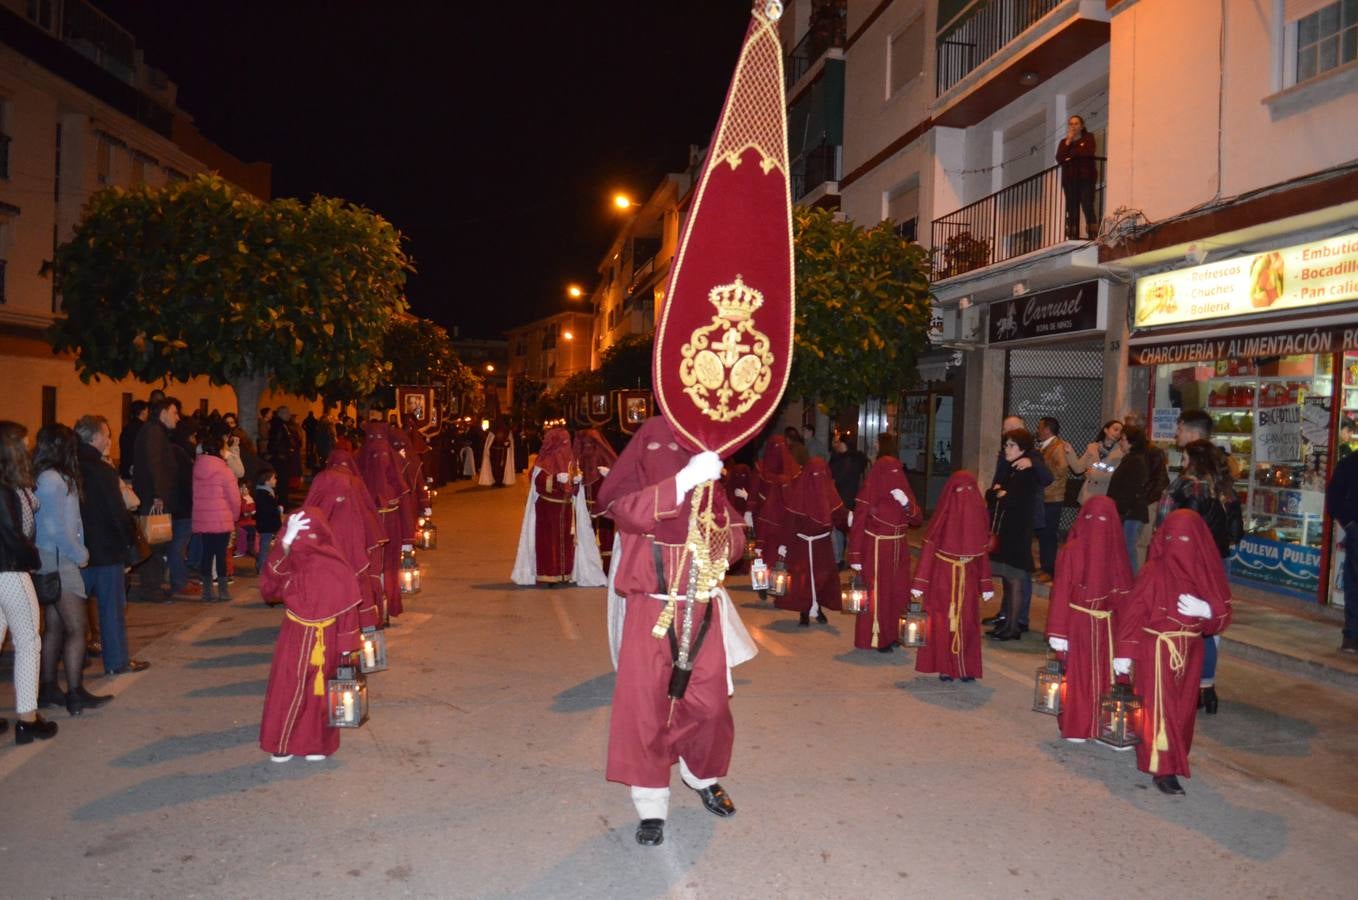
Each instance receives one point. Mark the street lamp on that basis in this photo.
(575, 292)
(622, 201)
(490, 367)
(568, 335)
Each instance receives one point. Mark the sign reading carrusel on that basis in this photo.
(1245, 346)
(1062, 311)
(1305, 275)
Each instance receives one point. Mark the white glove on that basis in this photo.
(297, 523)
(987, 595)
(857, 567)
(563, 477)
(1196, 607)
(900, 496)
(603, 470)
(782, 550)
(916, 593)
(1060, 645)
(749, 519)
(578, 478)
(704, 467)
(741, 493)
(1122, 666)
(428, 511)
(850, 518)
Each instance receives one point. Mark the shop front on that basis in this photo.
(1272, 357)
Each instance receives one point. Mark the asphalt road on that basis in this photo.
(480, 772)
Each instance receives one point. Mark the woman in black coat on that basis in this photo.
(1011, 520)
(1127, 488)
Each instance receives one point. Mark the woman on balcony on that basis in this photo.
(1079, 178)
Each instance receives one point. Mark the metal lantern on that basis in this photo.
(1049, 688)
(433, 495)
(854, 598)
(428, 512)
(759, 573)
(347, 698)
(780, 579)
(372, 656)
(915, 627)
(409, 574)
(750, 544)
(1120, 715)
(428, 535)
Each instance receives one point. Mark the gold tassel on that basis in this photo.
(317, 650)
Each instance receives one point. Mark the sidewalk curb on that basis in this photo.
(1291, 665)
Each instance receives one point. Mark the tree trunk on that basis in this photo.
(249, 389)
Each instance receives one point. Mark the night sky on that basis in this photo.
(491, 134)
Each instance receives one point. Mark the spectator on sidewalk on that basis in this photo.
(216, 506)
(1341, 505)
(1011, 504)
(814, 445)
(1032, 460)
(110, 533)
(1053, 495)
(185, 553)
(137, 414)
(1127, 489)
(60, 539)
(285, 453)
(263, 426)
(153, 478)
(847, 466)
(268, 514)
(1098, 461)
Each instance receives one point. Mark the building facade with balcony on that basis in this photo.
(814, 32)
(549, 350)
(81, 111)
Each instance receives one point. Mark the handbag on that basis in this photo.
(996, 520)
(156, 529)
(47, 585)
(138, 551)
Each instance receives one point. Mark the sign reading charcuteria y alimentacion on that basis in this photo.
(1314, 274)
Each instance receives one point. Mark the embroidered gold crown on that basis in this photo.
(736, 300)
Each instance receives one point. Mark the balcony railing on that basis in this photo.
(100, 39)
(1024, 217)
(981, 32)
(814, 168)
(827, 31)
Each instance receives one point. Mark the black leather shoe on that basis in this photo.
(1168, 784)
(91, 701)
(1005, 636)
(994, 620)
(820, 617)
(1208, 699)
(717, 801)
(49, 695)
(887, 649)
(135, 665)
(804, 620)
(651, 832)
(39, 728)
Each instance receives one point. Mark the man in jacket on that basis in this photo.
(1003, 467)
(847, 466)
(109, 532)
(153, 478)
(127, 441)
(1053, 495)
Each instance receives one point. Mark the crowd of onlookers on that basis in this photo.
(75, 522)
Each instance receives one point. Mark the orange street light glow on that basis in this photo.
(568, 335)
(490, 367)
(575, 291)
(622, 201)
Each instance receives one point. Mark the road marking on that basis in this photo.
(767, 642)
(567, 626)
(192, 632)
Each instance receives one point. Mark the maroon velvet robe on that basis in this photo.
(554, 528)
(381, 473)
(353, 519)
(1089, 594)
(317, 588)
(814, 509)
(1165, 646)
(879, 543)
(954, 571)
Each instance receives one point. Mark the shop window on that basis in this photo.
(1326, 39)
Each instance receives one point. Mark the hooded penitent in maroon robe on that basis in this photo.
(348, 507)
(739, 477)
(1164, 645)
(954, 571)
(372, 587)
(593, 452)
(646, 738)
(317, 587)
(814, 509)
(554, 510)
(413, 501)
(772, 476)
(381, 470)
(1089, 595)
(878, 542)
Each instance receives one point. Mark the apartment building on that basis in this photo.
(549, 350)
(81, 110)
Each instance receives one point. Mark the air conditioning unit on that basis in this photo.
(961, 327)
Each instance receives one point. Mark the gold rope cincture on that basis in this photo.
(1107, 616)
(957, 593)
(1177, 661)
(317, 649)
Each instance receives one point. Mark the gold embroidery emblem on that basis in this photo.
(727, 363)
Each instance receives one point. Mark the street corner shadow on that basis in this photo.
(1244, 830)
(231, 661)
(596, 693)
(184, 788)
(252, 637)
(613, 865)
(232, 689)
(186, 745)
(874, 659)
(955, 695)
(1252, 729)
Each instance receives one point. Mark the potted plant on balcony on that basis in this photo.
(962, 253)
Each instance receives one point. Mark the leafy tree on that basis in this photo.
(626, 365)
(862, 310)
(200, 279)
(421, 352)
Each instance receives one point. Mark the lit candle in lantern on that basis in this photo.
(912, 632)
(348, 706)
(369, 653)
(1051, 696)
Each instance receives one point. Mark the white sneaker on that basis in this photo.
(1076, 740)
(277, 758)
(315, 757)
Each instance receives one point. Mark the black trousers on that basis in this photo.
(1080, 195)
